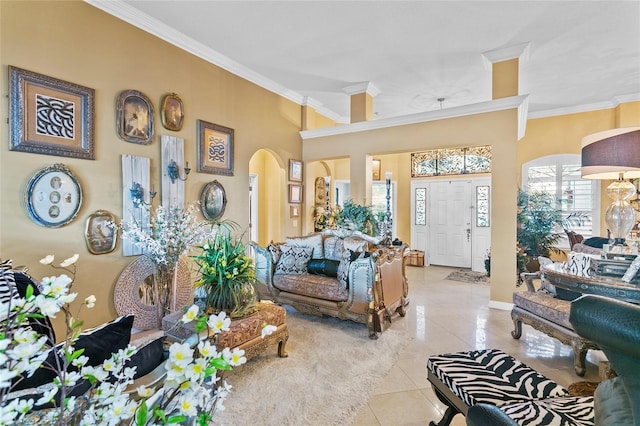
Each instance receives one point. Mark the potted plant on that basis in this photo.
(227, 273)
(356, 217)
(538, 226)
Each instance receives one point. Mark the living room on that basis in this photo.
(94, 49)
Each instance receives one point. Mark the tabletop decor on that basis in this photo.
(172, 233)
(50, 116)
(227, 273)
(192, 391)
(53, 196)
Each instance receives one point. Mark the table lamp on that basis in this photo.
(614, 154)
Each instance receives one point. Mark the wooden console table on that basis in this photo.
(599, 285)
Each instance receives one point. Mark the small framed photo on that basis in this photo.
(375, 169)
(50, 116)
(294, 211)
(213, 200)
(215, 148)
(100, 234)
(134, 117)
(172, 112)
(295, 193)
(53, 196)
(295, 170)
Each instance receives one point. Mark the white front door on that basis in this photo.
(450, 209)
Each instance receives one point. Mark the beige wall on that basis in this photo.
(76, 42)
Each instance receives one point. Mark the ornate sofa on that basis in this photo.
(345, 277)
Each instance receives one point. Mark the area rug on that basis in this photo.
(468, 276)
(329, 375)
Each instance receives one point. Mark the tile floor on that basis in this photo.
(449, 316)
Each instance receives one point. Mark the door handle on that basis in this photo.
(468, 234)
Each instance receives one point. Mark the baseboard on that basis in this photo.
(503, 306)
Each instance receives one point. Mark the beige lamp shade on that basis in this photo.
(607, 154)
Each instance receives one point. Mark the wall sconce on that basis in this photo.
(614, 154)
(137, 195)
(174, 172)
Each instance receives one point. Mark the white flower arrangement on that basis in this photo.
(170, 235)
(193, 387)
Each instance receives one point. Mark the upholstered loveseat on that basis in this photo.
(345, 277)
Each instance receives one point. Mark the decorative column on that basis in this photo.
(389, 237)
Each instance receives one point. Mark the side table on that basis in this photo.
(244, 333)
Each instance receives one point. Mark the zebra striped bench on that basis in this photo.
(463, 379)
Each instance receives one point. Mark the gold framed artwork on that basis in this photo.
(134, 117)
(294, 211)
(295, 193)
(100, 235)
(215, 148)
(375, 169)
(50, 116)
(295, 170)
(172, 112)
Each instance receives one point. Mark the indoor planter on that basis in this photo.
(227, 274)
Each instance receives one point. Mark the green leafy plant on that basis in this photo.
(356, 217)
(227, 273)
(539, 222)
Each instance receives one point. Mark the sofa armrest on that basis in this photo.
(264, 269)
(361, 279)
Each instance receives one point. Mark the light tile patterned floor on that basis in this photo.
(448, 316)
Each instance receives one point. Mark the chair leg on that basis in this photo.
(446, 418)
(517, 331)
(579, 358)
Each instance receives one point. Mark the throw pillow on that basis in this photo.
(314, 241)
(325, 267)
(356, 244)
(333, 248)
(348, 256)
(98, 344)
(148, 357)
(8, 292)
(275, 251)
(293, 260)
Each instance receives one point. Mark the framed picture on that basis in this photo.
(294, 211)
(215, 149)
(100, 235)
(53, 196)
(295, 170)
(213, 200)
(50, 116)
(375, 169)
(134, 117)
(172, 112)
(295, 193)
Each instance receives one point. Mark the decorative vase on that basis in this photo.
(164, 291)
(237, 300)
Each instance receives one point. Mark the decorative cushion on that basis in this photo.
(148, 357)
(275, 251)
(333, 248)
(325, 267)
(98, 344)
(571, 411)
(314, 241)
(8, 292)
(356, 244)
(348, 256)
(293, 260)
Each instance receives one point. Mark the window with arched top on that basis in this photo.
(559, 175)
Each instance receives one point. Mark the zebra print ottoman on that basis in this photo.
(571, 411)
(463, 379)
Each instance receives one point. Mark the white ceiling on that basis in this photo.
(581, 55)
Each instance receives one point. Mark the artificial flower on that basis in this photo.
(70, 261)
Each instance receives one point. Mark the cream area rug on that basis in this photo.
(330, 373)
(468, 276)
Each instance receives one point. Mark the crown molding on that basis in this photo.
(614, 102)
(133, 16)
(518, 51)
(364, 87)
(519, 102)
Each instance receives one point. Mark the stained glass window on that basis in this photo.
(421, 206)
(451, 161)
(482, 206)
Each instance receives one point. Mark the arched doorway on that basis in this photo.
(266, 201)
